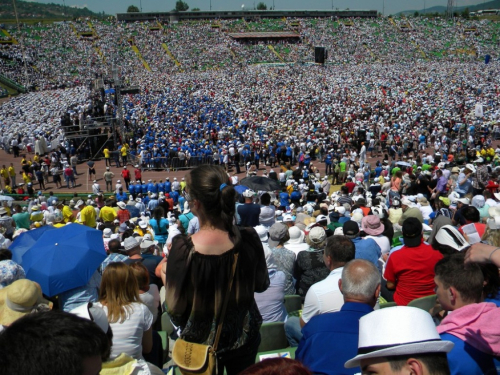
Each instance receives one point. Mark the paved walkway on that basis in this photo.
(85, 186)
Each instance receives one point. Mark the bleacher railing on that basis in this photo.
(13, 85)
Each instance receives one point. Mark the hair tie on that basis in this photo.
(222, 186)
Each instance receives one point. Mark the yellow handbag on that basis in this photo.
(194, 358)
(200, 359)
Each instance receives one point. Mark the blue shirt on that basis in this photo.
(367, 249)
(121, 197)
(270, 302)
(134, 211)
(168, 187)
(465, 187)
(284, 197)
(343, 219)
(464, 359)
(329, 340)
(160, 229)
(175, 196)
(78, 296)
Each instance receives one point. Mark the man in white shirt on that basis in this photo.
(96, 188)
(324, 296)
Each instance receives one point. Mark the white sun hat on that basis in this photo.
(395, 331)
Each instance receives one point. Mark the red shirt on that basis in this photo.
(126, 174)
(480, 228)
(412, 270)
(123, 215)
(138, 175)
(170, 202)
(366, 210)
(350, 186)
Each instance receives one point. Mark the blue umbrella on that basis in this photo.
(240, 188)
(65, 258)
(24, 242)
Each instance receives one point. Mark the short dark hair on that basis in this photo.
(114, 245)
(5, 254)
(466, 278)
(53, 342)
(491, 279)
(436, 363)
(340, 248)
(344, 189)
(471, 213)
(265, 199)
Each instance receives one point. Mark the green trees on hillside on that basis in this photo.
(181, 6)
(132, 9)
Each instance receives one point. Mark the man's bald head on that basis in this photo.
(360, 281)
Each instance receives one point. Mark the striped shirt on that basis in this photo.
(127, 336)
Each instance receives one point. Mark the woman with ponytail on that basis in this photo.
(199, 270)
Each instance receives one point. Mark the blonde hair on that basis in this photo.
(119, 289)
(491, 236)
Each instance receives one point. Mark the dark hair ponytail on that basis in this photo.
(211, 185)
(228, 209)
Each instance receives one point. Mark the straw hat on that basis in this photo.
(19, 299)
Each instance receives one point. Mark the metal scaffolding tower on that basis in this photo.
(450, 8)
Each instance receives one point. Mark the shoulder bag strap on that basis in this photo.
(226, 301)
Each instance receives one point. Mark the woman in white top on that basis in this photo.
(128, 317)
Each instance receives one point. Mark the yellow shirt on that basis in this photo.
(36, 158)
(87, 216)
(12, 171)
(68, 215)
(4, 173)
(36, 216)
(107, 213)
(124, 150)
(106, 153)
(26, 178)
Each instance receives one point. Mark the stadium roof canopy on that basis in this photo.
(264, 35)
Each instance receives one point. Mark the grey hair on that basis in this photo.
(360, 279)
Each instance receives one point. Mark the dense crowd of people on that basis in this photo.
(401, 232)
(58, 57)
(370, 182)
